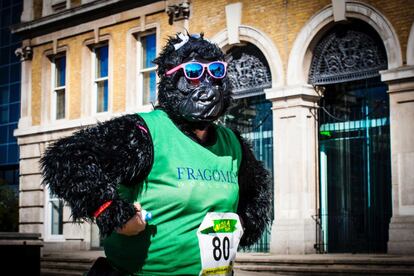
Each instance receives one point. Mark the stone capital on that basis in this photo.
(293, 96)
(400, 79)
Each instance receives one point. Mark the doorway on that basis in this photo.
(355, 169)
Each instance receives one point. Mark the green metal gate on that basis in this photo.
(355, 177)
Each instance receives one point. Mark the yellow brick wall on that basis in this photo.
(118, 61)
(283, 20)
(280, 20)
(166, 30)
(74, 71)
(37, 63)
(400, 13)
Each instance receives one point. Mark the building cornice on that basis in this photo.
(75, 16)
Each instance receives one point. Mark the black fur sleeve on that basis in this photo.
(85, 168)
(254, 195)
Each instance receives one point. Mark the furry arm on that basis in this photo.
(254, 195)
(85, 168)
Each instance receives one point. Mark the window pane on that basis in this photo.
(60, 64)
(4, 95)
(14, 112)
(15, 73)
(148, 48)
(102, 61)
(16, 12)
(5, 36)
(56, 217)
(3, 134)
(5, 17)
(6, 3)
(13, 153)
(4, 57)
(11, 129)
(15, 93)
(3, 154)
(149, 87)
(102, 96)
(4, 75)
(60, 103)
(4, 114)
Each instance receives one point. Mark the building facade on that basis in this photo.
(10, 12)
(324, 90)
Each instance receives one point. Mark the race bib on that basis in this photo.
(218, 237)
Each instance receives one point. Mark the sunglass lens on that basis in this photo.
(217, 69)
(193, 70)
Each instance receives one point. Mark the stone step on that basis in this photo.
(59, 272)
(356, 260)
(368, 263)
(325, 270)
(65, 265)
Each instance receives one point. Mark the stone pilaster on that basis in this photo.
(401, 92)
(25, 54)
(295, 162)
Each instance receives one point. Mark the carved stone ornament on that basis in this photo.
(353, 56)
(24, 53)
(178, 12)
(248, 74)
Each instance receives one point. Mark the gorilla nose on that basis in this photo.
(206, 95)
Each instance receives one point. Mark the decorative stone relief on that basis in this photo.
(346, 56)
(248, 74)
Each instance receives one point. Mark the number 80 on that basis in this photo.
(217, 252)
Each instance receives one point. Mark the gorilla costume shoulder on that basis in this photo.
(86, 168)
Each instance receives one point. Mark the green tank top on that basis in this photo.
(187, 180)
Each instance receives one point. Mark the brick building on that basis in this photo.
(323, 89)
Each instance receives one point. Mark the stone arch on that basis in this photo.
(410, 47)
(265, 45)
(301, 55)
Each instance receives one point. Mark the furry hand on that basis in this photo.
(135, 225)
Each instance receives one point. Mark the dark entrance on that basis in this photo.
(354, 140)
(355, 166)
(250, 112)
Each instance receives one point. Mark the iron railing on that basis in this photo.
(319, 244)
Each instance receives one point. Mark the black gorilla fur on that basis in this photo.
(85, 168)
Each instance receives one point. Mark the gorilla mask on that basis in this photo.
(193, 85)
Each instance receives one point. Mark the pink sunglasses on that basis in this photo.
(194, 70)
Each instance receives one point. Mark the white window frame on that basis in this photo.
(96, 80)
(55, 88)
(48, 236)
(140, 71)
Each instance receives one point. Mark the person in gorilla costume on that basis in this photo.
(174, 162)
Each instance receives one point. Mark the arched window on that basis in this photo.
(250, 112)
(354, 140)
(347, 53)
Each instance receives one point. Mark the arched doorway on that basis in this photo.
(354, 139)
(250, 112)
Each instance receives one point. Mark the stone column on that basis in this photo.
(25, 55)
(296, 169)
(401, 92)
